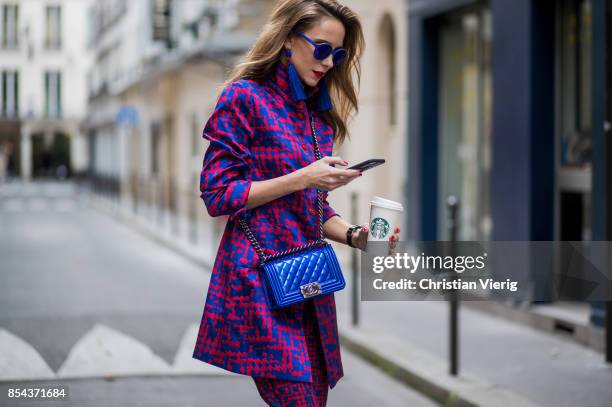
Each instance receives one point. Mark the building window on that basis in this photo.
(155, 140)
(53, 32)
(575, 82)
(574, 123)
(9, 90)
(196, 134)
(10, 18)
(162, 15)
(53, 94)
(465, 121)
(392, 94)
(387, 47)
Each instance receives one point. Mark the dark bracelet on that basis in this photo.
(349, 234)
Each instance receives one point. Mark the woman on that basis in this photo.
(261, 166)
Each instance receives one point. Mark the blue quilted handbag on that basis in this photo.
(302, 272)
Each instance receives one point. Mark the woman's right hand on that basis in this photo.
(321, 175)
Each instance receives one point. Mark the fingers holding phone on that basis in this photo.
(321, 175)
(360, 167)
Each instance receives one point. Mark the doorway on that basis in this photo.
(50, 155)
(573, 161)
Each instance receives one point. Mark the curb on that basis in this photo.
(407, 377)
(426, 373)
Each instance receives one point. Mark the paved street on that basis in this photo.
(87, 302)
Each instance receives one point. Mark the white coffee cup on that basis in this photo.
(385, 216)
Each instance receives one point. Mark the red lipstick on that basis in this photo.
(318, 74)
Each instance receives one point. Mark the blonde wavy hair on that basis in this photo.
(258, 63)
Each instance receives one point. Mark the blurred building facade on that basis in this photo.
(43, 60)
(158, 73)
(508, 113)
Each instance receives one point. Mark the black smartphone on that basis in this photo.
(367, 164)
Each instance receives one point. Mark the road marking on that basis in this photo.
(102, 352)
(19, 360)
(38, 204)
(105, 352)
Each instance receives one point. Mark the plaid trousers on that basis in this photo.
(288, 393)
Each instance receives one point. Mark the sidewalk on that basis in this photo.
(501, 363)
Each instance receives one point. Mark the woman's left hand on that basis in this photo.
(360, 238)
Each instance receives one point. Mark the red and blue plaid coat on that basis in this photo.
(260, 131)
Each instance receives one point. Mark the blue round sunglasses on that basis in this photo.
(323, 50)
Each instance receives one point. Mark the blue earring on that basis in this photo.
(323, 99)
(294, 79)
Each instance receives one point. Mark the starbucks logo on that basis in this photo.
(379, 228)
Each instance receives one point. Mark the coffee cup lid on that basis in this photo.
(387, 203)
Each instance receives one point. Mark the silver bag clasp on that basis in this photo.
(310, 289)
